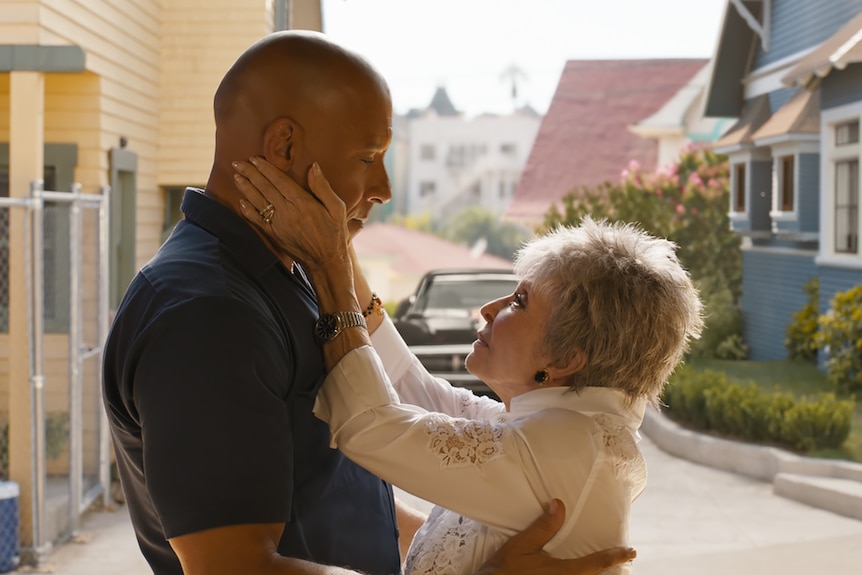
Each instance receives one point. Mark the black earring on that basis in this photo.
(542, 376)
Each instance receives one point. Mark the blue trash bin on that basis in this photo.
(8, 526)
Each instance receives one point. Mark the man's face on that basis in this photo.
(349, 143)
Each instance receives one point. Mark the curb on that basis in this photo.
(833, 485)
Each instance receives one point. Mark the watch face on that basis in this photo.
(326, 327)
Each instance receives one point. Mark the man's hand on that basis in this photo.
(523, 554)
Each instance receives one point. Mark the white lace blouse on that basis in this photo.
(489, 471)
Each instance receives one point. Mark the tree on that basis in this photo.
(475, 224)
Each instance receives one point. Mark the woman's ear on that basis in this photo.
(575, 364)
(281, 140)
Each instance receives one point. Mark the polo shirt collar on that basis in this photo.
(234, 232)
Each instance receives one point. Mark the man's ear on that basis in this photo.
(281, 140)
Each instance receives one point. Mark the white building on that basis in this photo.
(455, 162)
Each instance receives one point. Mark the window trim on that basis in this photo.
(851, 207)
(830, 155)
(123, 228)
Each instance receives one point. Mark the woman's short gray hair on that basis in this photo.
(620, 297)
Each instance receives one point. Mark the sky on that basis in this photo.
(468, 45)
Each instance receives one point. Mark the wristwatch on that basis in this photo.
(329, 325)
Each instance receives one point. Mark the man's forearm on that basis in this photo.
(335, 292)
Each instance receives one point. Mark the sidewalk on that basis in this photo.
(105, 546)
(697, 520)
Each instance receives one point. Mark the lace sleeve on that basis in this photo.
(617, 442)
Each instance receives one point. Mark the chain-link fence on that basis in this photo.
(55, 445)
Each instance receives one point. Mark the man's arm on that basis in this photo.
(251, 549)
(409, 522)
(523, 554)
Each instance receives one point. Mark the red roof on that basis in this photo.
(584, 138)
(415, 253)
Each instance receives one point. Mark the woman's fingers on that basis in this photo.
(252, 195)
(321, 189)
(303, 224)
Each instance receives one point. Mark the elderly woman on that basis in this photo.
(601, 317)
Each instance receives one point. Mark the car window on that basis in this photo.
(457, 294)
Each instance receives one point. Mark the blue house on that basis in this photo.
(791, 72)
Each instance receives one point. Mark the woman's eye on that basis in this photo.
(367, 161)
(517, 300)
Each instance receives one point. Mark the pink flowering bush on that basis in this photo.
(686, 202)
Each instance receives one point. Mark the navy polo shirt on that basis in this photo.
(210, 374)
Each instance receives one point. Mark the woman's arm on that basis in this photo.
(415, 385)
(498, 473)
(409, 377)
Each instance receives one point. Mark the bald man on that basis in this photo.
(212, 367)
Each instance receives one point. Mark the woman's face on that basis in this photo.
(507, 353)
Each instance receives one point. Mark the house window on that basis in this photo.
(508, 149)
(427, 188)
(847, 206)
(427, 152)
(847, 133)
(787, 183)
(739, 188)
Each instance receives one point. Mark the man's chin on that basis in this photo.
(354, 227)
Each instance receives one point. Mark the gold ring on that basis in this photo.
(267, 212)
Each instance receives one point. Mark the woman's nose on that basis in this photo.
(489, 310)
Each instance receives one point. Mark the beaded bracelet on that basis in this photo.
(374, 308)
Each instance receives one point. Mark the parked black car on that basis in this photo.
(440, 320)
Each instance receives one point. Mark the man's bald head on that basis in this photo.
(286, 72)
(291, 84)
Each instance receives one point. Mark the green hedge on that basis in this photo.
(709, 401)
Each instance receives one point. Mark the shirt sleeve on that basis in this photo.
(488, 470)
(210, 384)
(414, 385)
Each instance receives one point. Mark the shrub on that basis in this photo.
(732, 348)
(685, 395)
(841, 337)
(813, 423)
(710, 402)
(801, 335)
(721, 336)
(738, 410)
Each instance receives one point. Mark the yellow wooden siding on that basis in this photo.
(122, 45)
(201, 40)
(19, 22)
